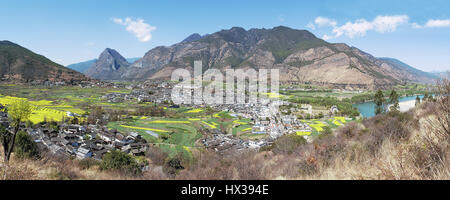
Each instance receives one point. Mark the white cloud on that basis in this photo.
(360, 27)
(137, 27)
(384, 24)
(350, 29)
(438, 23)
(311, 26)
(327, 37)
(323, 21)
(416, 25)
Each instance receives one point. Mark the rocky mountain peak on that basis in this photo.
(112, 59)
(192, 38)
(109, 65)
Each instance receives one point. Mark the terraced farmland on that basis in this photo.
(44, 110)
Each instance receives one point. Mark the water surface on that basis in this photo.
(367, 109)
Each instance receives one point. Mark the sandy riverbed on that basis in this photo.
(406, 105)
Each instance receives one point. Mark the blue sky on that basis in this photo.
(69, 31)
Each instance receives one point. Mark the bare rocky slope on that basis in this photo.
(301, 57)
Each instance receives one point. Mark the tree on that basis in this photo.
(25, 146)
(308, 116)
(393, 99)
(417, 100)
(209, 110)
(425, 96)
(18, 111)
(379, 102)
(320, 116)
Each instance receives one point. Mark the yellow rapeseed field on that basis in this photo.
(147, 129)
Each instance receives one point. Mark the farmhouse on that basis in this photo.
(83, 153)
(334, 109)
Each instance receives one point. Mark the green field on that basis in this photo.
(178, 135)
(319, 125)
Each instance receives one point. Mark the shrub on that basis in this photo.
(157, 156)
(287, 144)
(116, 160)
(88, 163)
(173, 165)
(326, 132)
(25, 147)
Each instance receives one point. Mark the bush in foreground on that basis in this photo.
(25, 146)
(116, 160)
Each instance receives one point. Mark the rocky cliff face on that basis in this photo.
(20, 64)
(109, 66)
(299, 55)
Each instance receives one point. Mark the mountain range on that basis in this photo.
(299, 54)
(441, 74)
(20, 64)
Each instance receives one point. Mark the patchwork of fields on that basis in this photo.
(319, 125)
(44, 110)
(180, 135)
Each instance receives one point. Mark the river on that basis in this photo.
(367, 109)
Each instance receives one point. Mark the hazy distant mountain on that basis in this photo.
(410, 73)
(441, 74)
(84, 66)
(20, 64)
(132, 60)
(109, 66)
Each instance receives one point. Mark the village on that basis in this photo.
(269, 121)
(272, 120)
(80, 141)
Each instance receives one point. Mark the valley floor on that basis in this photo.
(411, 145)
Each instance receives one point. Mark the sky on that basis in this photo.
(70, 31)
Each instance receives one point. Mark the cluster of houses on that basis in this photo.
(223, 143)
(293, 125)
(48, 83)
(146, 92)
(80, 141)
(87, 141)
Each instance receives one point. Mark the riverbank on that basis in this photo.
(406, 105)
(367, 109)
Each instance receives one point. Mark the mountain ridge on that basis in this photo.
(18, 63)
(299, 54)
(403, 66)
